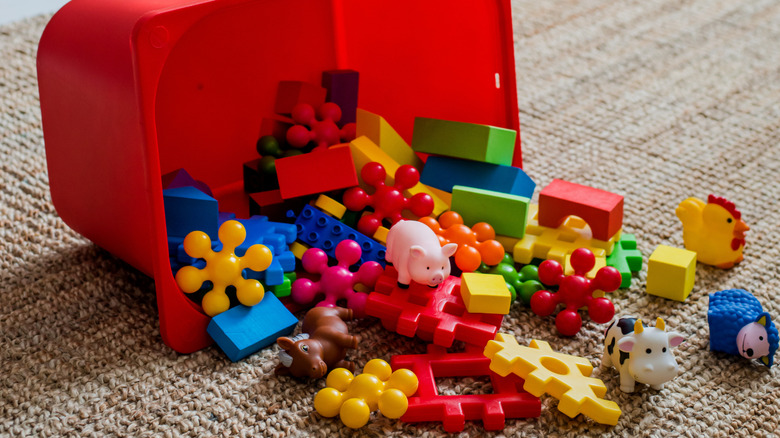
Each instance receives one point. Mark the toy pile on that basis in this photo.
(343, 217)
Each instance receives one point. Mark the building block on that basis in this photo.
(485, 293)
(316, 172)
(602, 210)
(319, 230)
(270, 203)
(381, 235)
(244, 330)
(469, 141)
(506, 213)
(444, 172)
(434, 315)
(328, 205)
(562, 376)
(671, 272)
(626, 258)
(508, 399)
(284, 289)
(475, 244)
(291, 93)
(521, 284)
(182, 178)
(342, 86)
(188, 209)
(298, 249)
(319, 128)
(376, 128)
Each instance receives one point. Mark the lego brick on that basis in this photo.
(506, 213)
(298, 249)
(189, 209)
(381, 235)
(291, 93)
(376, 128)
(182, 178)
(285, 288)
(328, 205)
(485, 293)
(316, 172)
(602, 210)
(342, 89)
(243, 330)
(469, 141)
(507, 401)
(626, 258)
(671, 272)
(444, 172)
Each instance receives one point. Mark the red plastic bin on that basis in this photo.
(131, 90)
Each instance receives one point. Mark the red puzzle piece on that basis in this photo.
(508, 400)
(602, 210)
(434, 315)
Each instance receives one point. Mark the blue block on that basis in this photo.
(243, 330)
(443, 173)
(277, 236)
(188, 209)
(319, 230)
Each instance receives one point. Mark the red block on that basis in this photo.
(316, 172)
(291, 93)
(602, 210)
(508, 400)
(434, 315)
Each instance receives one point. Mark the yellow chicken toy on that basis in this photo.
(715, 230)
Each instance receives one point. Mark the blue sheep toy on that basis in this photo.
(739, 326)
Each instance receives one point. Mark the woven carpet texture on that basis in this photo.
(657, 100)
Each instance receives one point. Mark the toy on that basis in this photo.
(336, 282)
(506, 401)
(242, 330)
(485, 293)
(291, 93)
(182, 178)
(444, 173)
(671, 272)
(522, 284)
(353, 398)
(415, 252)
(270, 150)
(506, 213)
(739, 326)
(376, 128)
(328, 205)
(599, 262)
(564, 377)
(602, 210)
(575, 291)
(320, 128)
(321, 345)
(470, 141)
(434, 315)
(223, 268)
(641, 354)
(270, 203)
(715, 231)
(316, 172)
(475, 244)
(626, 258)
(188, 209)
(387, 201)
(342, 86)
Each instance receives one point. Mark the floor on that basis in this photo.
(14, 10)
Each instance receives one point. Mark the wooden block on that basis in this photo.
(671, 272)
(602, 210)
(444, 172)
(485, 293)
(316, 172)
(380, 132)
(469, 141)
(508, 214)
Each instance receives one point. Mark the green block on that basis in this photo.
(506, 213)
(284, 289)
(489, 144)
(625, 258)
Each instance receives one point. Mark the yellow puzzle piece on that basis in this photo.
(564, 377)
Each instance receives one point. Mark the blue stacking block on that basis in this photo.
(444, 172)
(188, 209)
(243, 330)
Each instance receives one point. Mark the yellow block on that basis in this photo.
(330, 206)
(381, 235)
(485, 293)
(671, 272)
(380, 132)
(298, 248)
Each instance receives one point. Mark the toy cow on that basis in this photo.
(641, 354)
(739, 325)
(321, 346)
(415, 252)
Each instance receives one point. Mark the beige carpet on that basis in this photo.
(655, 99)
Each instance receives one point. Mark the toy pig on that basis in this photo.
(739, 325)
(415, 252)
(321, 346)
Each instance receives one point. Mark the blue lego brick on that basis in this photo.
(625, 258)
(319, 230)
(444, 172)
(243, 330)
(188, 209)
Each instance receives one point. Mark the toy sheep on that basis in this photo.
(739, 326)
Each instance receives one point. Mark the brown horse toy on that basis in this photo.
(321, 346)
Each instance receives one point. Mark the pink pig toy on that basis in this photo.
(415, 252)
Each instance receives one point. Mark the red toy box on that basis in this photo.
(131, 90)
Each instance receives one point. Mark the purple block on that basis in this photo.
(342, 86)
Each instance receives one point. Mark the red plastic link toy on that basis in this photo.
(387, 201)
(575, 291)
(321, 129)
(475, 245)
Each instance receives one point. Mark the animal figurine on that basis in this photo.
(714, 231)
(739, 326)
(641, 354)
(415, 252)
(322, 344)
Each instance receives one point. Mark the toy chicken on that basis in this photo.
(715, 230)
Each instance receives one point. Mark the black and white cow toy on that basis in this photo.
(641, 354)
